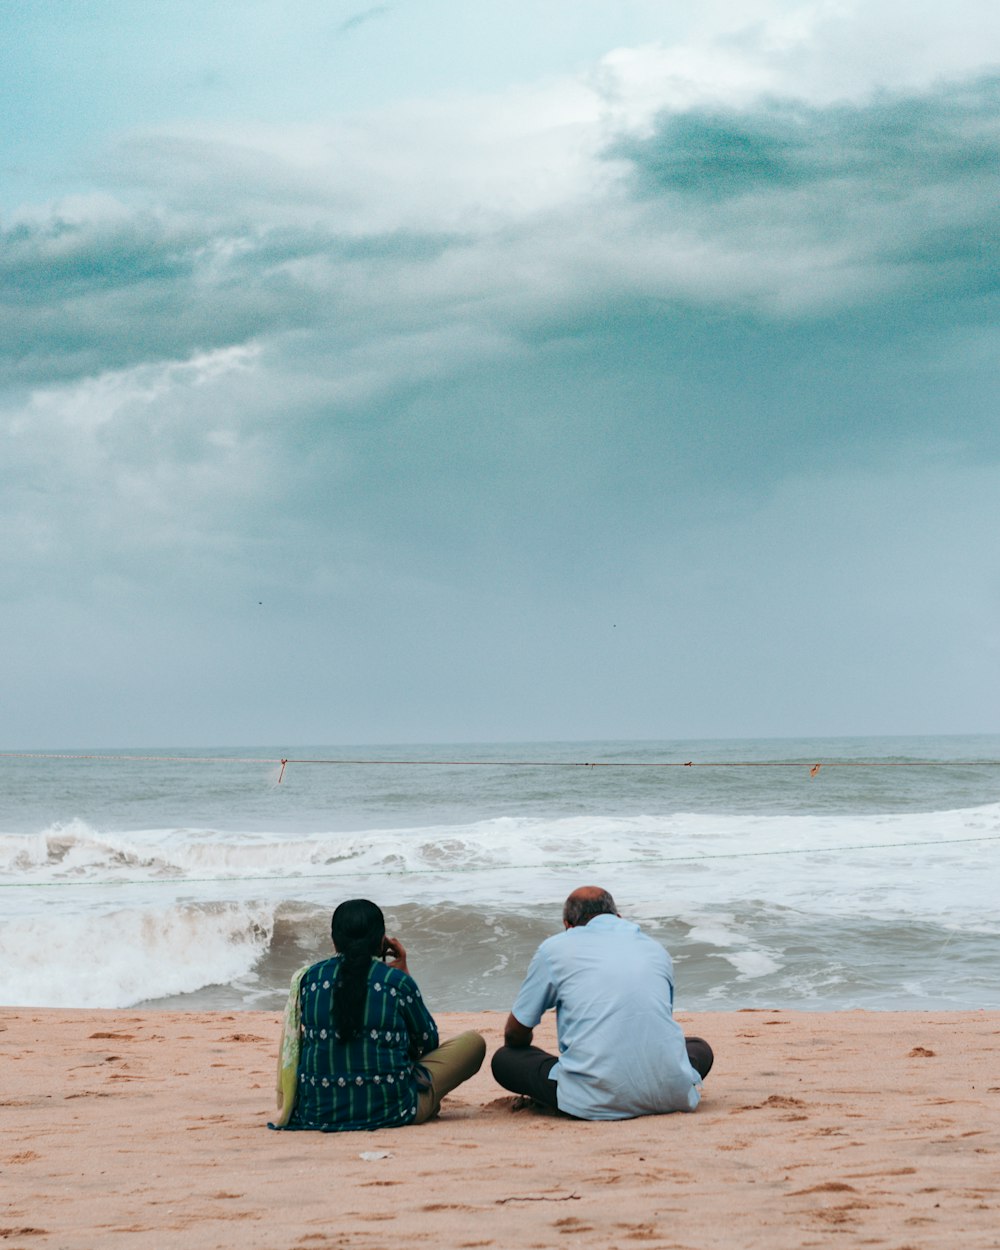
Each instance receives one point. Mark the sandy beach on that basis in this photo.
(147, 1129)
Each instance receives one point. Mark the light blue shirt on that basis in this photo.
(621, 1053)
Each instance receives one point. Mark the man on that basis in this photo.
(621, 1053)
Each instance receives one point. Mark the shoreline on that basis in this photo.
(146, 1128)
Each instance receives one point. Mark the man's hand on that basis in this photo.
(515, 1033)
(394, 953)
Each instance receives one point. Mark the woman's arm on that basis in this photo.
(420, 1026)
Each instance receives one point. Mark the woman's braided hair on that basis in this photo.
(358, 931)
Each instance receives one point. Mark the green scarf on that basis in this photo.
(288, 1052)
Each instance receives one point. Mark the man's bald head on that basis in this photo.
(585, 903)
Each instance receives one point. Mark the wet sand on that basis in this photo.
(147, 1129)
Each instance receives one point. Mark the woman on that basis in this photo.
(355, 1028)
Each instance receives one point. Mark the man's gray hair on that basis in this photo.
(581, 908)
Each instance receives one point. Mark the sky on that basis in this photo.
(445, 371)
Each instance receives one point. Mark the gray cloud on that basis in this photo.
(842, 215)
(906, 186)
(893, 144)
(659, 399)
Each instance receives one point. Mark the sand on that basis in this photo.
(147, 1129)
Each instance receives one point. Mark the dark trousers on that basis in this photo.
(525, 1069)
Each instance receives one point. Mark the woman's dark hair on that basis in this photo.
(358, 931)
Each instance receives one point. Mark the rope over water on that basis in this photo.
(283, 762)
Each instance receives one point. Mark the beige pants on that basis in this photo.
(452, 1063)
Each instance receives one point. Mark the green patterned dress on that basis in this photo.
(373, 1080)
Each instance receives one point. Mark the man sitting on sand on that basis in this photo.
(621, 1053)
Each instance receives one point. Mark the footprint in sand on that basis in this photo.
(778, 1102)
(570, 1224)
(640, 1232)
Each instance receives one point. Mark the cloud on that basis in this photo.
(794, 247)
(670, 338)
(892, 199)
(782, 210)
(138, 465)
(890, 144)
(826, 52)
(333, 252)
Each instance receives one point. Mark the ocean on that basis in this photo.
(195, 879)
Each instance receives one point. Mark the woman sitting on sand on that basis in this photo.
(355, 1028)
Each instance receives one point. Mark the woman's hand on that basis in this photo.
(394, 953)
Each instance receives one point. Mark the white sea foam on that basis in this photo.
(751, 963)
(169, 910)
(714, 932)
(791, 845)
(122, 957)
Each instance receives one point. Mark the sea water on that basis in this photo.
(197, 879)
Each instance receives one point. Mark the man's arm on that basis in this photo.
(515, 1033)
(536, 995)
